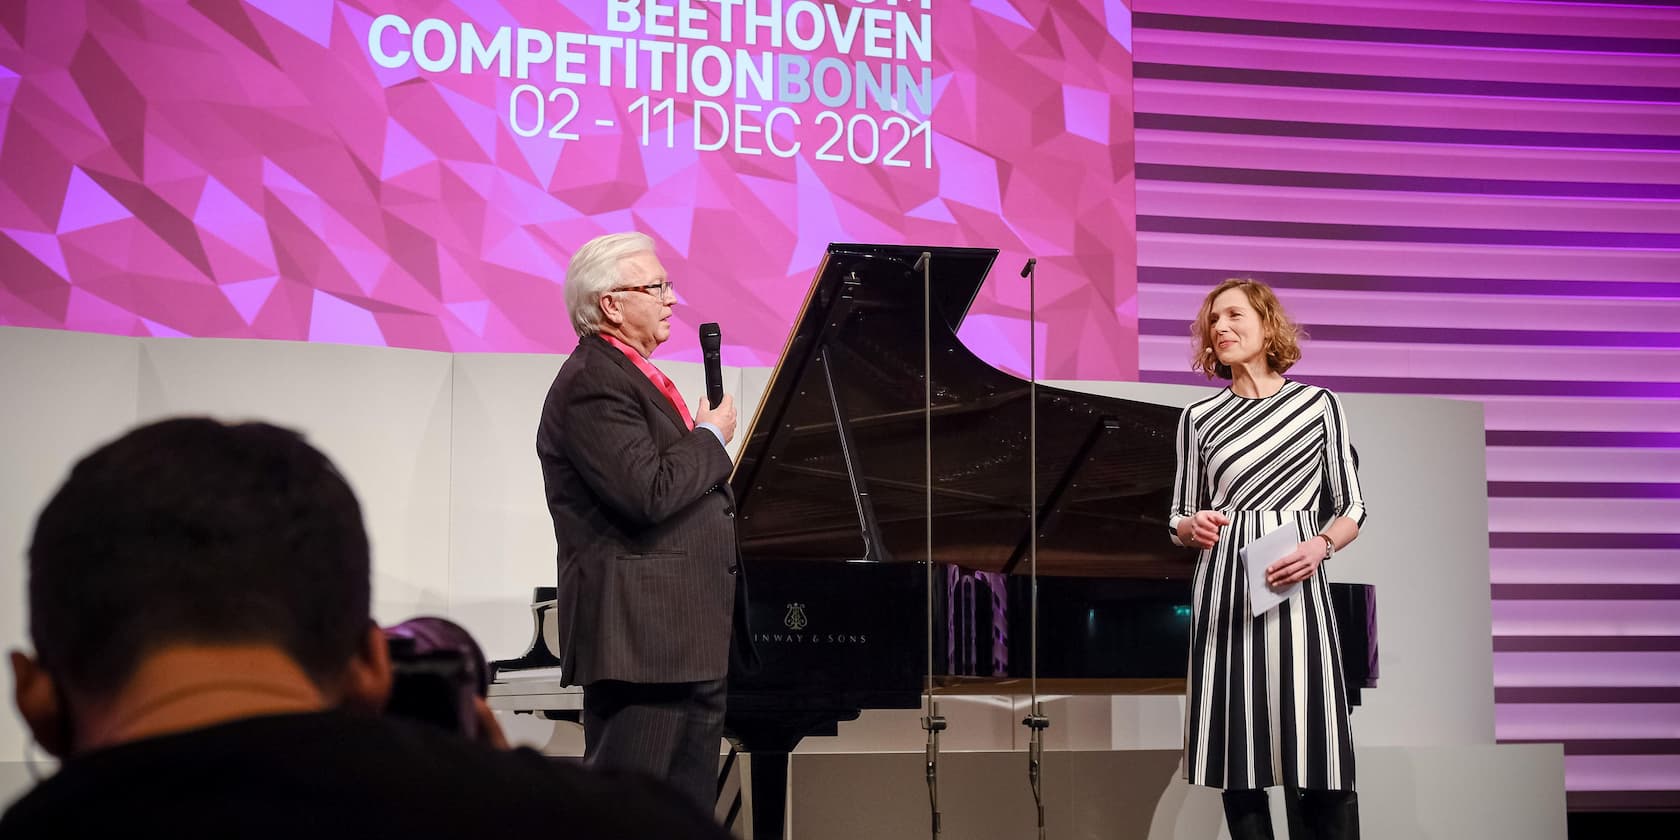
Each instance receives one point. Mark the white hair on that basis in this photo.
(594, 272)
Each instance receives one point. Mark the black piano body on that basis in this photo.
(834, 526)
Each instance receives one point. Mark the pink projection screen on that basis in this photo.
(417, 174)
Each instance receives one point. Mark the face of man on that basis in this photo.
(639, 313)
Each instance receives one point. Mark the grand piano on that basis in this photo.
(845, 611)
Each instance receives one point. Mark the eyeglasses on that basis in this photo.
(660, 291)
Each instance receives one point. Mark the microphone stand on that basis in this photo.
(1036, 721)
(933, 721)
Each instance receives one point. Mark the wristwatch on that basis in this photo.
(1329, 546)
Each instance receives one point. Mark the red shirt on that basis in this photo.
(654, 375)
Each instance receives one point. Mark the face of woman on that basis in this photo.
(1234, 329)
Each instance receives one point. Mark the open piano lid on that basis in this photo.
(834, 464)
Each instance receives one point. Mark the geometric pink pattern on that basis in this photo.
(249, 170)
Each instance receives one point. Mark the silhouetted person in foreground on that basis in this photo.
(206, 665)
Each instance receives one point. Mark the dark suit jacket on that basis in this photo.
(331, 775)
(644, 523)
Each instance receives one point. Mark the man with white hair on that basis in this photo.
(644, 525)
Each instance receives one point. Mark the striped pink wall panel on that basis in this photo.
(1477, 200)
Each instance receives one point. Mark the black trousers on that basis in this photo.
(1310, 814)
(670, 731)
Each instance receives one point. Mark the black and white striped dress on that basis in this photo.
(1266, 704)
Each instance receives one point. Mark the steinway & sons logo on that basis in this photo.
(796, 621)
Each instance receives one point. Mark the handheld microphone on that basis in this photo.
(711, 342)
(1031, 263)
(922, 261)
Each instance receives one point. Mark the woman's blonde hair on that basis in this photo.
(1282, 336)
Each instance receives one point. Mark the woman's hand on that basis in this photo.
(1202, 529)
(1296, 566)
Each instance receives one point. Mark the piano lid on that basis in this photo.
(834, 463)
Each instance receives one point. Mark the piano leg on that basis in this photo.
(767, 740)
(769, 794)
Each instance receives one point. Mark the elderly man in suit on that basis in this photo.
(644, 523)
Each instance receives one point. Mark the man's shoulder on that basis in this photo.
(593, 363)
(519, 788)
(516, 790)
(586, 369)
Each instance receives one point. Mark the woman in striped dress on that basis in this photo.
(1266, 704)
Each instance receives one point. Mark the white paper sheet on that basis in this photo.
(1258, 555)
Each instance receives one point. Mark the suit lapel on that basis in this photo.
(648, 390)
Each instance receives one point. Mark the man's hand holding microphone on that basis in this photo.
(716, 408)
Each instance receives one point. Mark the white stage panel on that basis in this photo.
(381, 414)
(64, 393)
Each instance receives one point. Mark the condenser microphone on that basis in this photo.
(1032, 262)
(711, 344)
